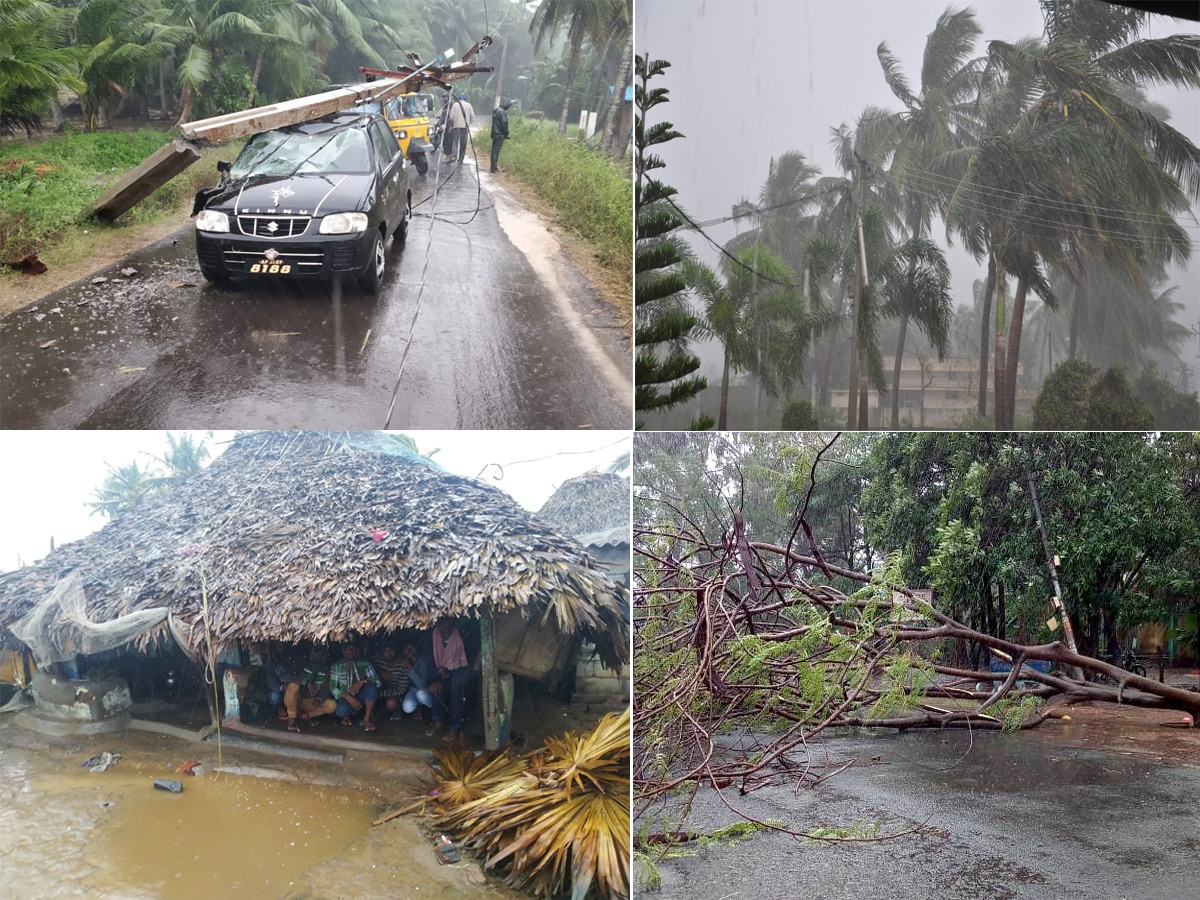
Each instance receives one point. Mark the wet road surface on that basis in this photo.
(1008, 816)
(499, 339)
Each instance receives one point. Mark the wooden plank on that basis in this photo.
(492, 713)
(291, 112)
(138, 183)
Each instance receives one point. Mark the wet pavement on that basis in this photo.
(1005, 816)
(504, 334)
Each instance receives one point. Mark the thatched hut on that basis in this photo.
(312, 536)
(594, 510)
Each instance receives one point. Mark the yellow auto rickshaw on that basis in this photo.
(408, 115)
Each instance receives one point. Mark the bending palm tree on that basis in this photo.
(749, 304)
(926, 128)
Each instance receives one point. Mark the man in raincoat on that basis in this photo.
(499, 131)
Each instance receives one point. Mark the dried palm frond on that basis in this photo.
(466, 777)
(562, 824)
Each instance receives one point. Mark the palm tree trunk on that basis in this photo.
(985, 329)
(1076, 314)
(571, 72)
(258, 64)
(185, 105)
(896, 372)
(594, 95)
(1014, 349)
(618, 97)
(851, 418)
(1000, 369)
(724, 393)
(823, 396)
(999, 393)
(162, 88)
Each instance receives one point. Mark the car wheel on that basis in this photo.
(421, 163)
(216, 280)
(402, 228)
(372, 276)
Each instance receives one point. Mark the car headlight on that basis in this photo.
(211, 220)
(344, 223)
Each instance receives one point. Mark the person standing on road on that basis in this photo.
(463, 113)
(461, 116)
(499, 131)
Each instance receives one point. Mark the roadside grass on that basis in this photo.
(590, 193)
(47, 189)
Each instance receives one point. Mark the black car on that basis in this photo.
(319, 199)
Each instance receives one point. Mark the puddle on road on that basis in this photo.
(227, 836)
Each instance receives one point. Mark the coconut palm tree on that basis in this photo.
(840, 198)
(35, 63)
(205, 32)
(1093, 53)
(926, 128)
(752, 302)
(119, 40)
(580, 21)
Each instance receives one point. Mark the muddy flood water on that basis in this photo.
(66, 832)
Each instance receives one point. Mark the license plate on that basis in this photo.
(267, 267)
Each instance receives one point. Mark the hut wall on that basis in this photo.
(83, 701)
(596, 685)
(614, 560)
(530, 649)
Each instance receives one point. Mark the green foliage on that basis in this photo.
(48, 188)
(1118, 514)
(664, 368)
(588, 190)
(799, 416)
(1062, 403)
(1013, 713)
(1172, 409)
(1112, 405)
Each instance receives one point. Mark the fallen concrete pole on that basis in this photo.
(139, 183)
(231, 126)
(172, 158)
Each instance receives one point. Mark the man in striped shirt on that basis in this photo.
(354, 684)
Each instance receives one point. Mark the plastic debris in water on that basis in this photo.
(446, 851)
(100, 761)
(166, 784)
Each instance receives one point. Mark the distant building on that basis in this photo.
(934, 395)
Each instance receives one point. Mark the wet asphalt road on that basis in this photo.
(493, 346)
(1013, 818)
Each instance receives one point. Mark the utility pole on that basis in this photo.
(1052, 562)
(852, 422)
(500, 75)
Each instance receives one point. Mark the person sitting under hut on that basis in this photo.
(393, 675)
(418, 680)
(446, 661)
(310, 695)
(355, 685)
(282, 670)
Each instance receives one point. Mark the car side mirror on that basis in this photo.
(224, 167)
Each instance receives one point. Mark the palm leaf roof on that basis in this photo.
(592, 508)
(277, 534)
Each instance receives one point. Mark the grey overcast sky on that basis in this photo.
(47, 476)
(752, 79)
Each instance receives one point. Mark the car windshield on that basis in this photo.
(374, 106)
(288, 153)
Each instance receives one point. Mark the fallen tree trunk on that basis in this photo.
(747, 651)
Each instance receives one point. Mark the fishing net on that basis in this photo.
(59, 628)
